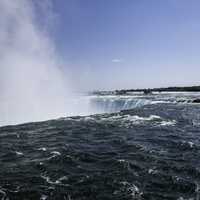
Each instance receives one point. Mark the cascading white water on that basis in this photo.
(115, 104)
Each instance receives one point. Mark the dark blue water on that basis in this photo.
(150, 152)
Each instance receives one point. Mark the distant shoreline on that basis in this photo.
(150, 90)
(168, 89)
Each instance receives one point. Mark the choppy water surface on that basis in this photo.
(149, 152)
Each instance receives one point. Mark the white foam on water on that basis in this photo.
(3, 193)
(56, 153)
(126, 120)
(56, 182)
(168, 123)
(43, 197)
(42, 149)
(152, 171)
(135, 118)
(19, 153)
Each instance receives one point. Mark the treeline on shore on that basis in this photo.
(149, 90)
(168, 89)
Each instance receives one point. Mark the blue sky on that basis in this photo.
(111, 44)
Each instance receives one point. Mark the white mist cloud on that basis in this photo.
(32, 87)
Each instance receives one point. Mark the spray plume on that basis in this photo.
(31, 84)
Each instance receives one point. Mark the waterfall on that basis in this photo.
(116, 104)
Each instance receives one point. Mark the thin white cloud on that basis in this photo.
(116, 60)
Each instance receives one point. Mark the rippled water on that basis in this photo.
(149, 152)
